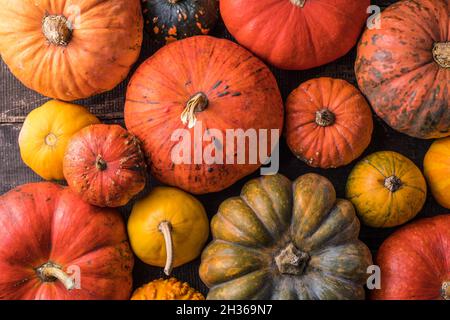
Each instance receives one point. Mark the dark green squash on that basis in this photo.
(170, 20)
(283, 240)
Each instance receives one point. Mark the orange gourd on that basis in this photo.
(166, 289)
(70, 49)
(437, 171)
(329, 123)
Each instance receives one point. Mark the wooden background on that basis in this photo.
(16, 102)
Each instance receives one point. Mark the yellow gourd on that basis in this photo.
(168, 228)
(387, 189)
(167, 289)
(45, 134)
(437, 171)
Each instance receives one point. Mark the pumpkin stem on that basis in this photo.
(166, 228)
(393, 183)
(292, 261)
(57, 29)
(325, 118)
(51, 139)
(50, 272)
(197, 103)
(441, 54)
(446, 290)
(100, 163)
(299, 3)
(173, 1)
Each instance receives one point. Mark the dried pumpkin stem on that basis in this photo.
(290, 260)
(325, 118)
(57, 29)
(299, 3)
(100, 163)
(393, 183)
(173, 1)
(166, 229)
(445, 290)
(50, 272)
(197, 103)
(441, 54)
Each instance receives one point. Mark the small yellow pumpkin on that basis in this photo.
(167, 289)
(437, 171)
(45, 134)
(168, 228)
(387, 189)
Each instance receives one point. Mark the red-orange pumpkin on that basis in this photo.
(328, 122)
(56, 246)
(205, 86)
(70, 49)
(104, 165)
(403, 67)
(414, 262)
(296, 34)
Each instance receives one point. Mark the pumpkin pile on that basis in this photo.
(279, 238)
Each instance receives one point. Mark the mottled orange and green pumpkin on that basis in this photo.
(171, 20)
(284, 240)
(387, 189)
(404, 67)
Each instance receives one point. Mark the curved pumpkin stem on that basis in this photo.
(441, 54)
(446, 290)
(197, 103)
(166, 228)
(299, 3)
(49, 271)
(57, 29)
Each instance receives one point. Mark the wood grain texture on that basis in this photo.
(16, 102)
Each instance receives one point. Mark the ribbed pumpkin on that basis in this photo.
(403, 67)
(328, 122)
(45, 134)
(170, 20)
(437, 171)
(166, 289)
(414, 262)
(104, 164)
(54, 246)
(70, 49)
(387, 189)
(295, 34)
(198, 88)
(284, 240)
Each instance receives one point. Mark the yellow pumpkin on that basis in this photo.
(437, 171)
(167, 289)
(387, 189)
(168, 228)
(45, 134)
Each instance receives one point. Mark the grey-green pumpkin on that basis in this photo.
(284, 240)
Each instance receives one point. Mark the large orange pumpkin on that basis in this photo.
(296, 34)
(205, 86)
(54, 246)
(329, 123)
(414, 262)
(70, 49)
(403, 67)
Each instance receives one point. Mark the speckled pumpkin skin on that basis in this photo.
(167, 289)
(396, 70)
(271, 214)
(171, 20)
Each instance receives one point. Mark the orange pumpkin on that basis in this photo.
(437, 171)
(70, 49)
(104, 165)
(202, 86)
(329, 123)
